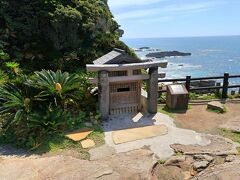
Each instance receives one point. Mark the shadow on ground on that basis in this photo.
(128, 121)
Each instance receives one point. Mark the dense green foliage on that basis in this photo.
(60, 36)
(56, 34)
(48, 102)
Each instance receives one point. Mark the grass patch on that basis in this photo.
(56, 143)
(97, 136)
(166, 110)
(171, 112)
(235, 96)
(238, 149)
(211, 96)
(178, 154)
(234, 136)
(161, 161)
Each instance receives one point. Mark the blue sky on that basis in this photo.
(177, 18)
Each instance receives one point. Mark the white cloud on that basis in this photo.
(170, 10)
(122, 3)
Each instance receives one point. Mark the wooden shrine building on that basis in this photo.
(120, 82)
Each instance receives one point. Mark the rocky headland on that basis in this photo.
(164, 54)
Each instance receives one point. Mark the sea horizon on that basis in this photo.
(167, 37)
(211, 55)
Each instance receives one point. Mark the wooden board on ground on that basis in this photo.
(80, 134)
(128, 135)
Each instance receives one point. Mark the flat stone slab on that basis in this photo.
(215, 105)
(101, 152)
(80, 134)
(160, 145)
(88, 143)
(60, 167)
(128, 135)
(137, 117)
(218, 146)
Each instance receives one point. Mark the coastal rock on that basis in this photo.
(222, 171)
(200, 165)
(164, 54)
(207, 83)
(174, 160)
(144, 48)
(101, 152)
(230, 158)
(168, 172)
(218, 146)
(203, 158)
(103, 172)
(215, 105)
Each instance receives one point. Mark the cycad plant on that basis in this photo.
(48, 121)
(13, 102)
(57, 86)
(13, 66)
(3, 77)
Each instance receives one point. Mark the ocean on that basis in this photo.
(211, 56)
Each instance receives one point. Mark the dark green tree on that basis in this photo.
(57, 34)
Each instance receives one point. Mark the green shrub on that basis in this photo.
(47, 103)
(76, 121)
(55, 86)
(14, 103)
(193, 96)
(3, 77)
(3, 55)
(48, 121)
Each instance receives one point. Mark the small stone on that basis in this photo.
(103, 172)
(203, 157)
(215, 105)
(193, 172)
(174, 160)
(230, 158)
(88, 124)
(187, 175)
(200, 165)
(88, 143)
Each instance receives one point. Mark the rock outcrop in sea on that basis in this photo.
(164, 54)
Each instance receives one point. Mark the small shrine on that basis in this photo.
(119, 82)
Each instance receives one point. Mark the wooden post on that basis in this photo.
(188, 83)
(225, 86)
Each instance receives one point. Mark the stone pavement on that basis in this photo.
(160, 145)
